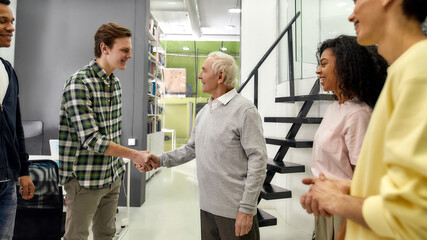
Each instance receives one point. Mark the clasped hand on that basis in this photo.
(322, 195)
(145, 161)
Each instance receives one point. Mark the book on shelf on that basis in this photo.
(153, 88)
(154, 125)
(151, 25)
(160, 57)
(154, 32)
(150, 48)
(150, 127)
(158, 125)
(150, 88)
(151, 107)
(152, 68)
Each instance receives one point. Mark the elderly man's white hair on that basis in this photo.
(224, 62)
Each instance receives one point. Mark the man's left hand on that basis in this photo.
(243, 223)
(27, 187)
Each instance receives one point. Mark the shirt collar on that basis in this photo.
(101, 73)
(225, 98)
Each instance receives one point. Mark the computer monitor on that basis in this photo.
(54, 149)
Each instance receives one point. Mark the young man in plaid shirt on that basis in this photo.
(90, 163)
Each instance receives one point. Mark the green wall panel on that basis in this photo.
(178, 58)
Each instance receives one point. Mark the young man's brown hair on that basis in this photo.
(107, 33)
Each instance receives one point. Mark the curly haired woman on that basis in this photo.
(356, 75)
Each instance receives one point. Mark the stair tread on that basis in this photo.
(270, 191)
(284, 167)
(295, 143)
(290, 140)
(310, 120)
(315, 97)
(265, 219)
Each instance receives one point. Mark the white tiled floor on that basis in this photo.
(171, 210)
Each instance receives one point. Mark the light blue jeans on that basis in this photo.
(7, 209)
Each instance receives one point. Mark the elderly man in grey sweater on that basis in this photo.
(229, 145)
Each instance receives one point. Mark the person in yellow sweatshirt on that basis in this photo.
(387, 198)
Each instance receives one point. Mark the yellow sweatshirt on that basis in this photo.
(392, 169)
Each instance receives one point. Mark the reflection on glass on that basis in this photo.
(320, 20)
(287, 10)
(333, 18)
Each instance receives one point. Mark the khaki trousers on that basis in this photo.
(220, 228)
(86, 205)
(328, 228)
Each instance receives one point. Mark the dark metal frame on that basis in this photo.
(277, 165)
(296, 126)
(254, 72)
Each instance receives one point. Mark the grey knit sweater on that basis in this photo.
(231, 156)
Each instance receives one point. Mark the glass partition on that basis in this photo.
(319, 20)
(334, 18)
(287, 9)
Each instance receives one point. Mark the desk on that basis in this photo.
(42, 157)
(125, 222)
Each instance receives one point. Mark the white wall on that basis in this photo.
(9, 53)
(258, 31)
(262, 21)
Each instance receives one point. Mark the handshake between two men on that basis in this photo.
(145, 161)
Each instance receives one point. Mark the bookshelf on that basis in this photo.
(156, 65)
(156, 90)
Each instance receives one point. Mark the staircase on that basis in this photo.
(277, 165)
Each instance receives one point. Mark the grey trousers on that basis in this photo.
(86, 205)
(328, 228)
(214, 227)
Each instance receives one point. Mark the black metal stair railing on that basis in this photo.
(269, 191)
(254, 72)
(277, 165)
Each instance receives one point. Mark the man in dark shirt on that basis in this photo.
(13, 156)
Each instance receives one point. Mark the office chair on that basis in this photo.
(33, 132)
(42, 216)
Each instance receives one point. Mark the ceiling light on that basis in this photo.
(230, 27)
(234, 10)
(223, 49)
(185, 48)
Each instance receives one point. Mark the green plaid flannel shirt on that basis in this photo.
(90, 117)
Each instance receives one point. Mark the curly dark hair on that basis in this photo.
(415, 9)
(361, 70)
